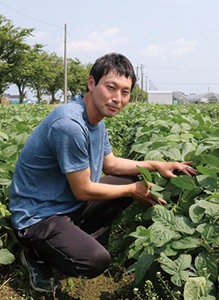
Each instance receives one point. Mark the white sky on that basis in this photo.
(176, 41)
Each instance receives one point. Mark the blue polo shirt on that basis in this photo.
(65, 141)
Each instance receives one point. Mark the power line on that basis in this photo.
(179, 83)
(31, 17)
(183, 68)
(79, 47)
(60, 27)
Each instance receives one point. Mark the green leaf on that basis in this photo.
(211, 208)
(177, 268)
(201, 149)
(141, 148)
(6, 257)
(207, 263)
(162, 215)
(145, 173)
(186, 149)
(184, 182)
(156, 189)
(160, 235)
(196, 213)
(153, 155)
(207, 182)
(173, 138)
(195, 288)
(141, 231)
(9, 151)
(5, 178)
(186, 137)
(172, 153)
(210, 160)
(186, 243)
(143, 264)
(208, 171)
(191, 156)
(3, 135)
(183, 224)
(211, 233)
(21, 138)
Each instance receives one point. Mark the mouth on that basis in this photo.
(113, 108)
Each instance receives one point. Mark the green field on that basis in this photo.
(171, 251)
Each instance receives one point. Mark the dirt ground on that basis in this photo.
(14, 285)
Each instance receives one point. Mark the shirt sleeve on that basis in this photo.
(69, 143)
(107, 146)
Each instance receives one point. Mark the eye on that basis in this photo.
(126, 93)
(110, 87)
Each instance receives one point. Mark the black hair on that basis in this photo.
(113, 62)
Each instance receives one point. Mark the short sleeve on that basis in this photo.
(107, 146)
(69, 143)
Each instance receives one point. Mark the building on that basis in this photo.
(166, 97)
(204, 98)
(15, 99)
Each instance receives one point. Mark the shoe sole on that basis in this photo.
(25, 264)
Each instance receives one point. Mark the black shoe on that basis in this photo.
(40, 274)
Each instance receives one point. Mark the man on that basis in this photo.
(61, 207)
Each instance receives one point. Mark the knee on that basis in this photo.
(98, 262)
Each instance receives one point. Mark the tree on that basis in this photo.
(40, 71)
(77, 76)
(14, 55)
(55, 81)
(3, 80)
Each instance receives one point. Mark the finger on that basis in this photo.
(151, 184)
(189, 167)
(161, 201)
(158, 199)
(189, 170)
(187, 162)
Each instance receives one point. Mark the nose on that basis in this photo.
(117, 97)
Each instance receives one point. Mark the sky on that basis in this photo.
(172, 44)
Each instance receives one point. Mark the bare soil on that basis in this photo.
(14, 285)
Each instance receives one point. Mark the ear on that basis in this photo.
(91, 83)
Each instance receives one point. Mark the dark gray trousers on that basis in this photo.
(74, 243)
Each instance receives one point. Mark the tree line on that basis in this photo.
(33, 68)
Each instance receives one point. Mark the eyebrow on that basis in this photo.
(117, 85)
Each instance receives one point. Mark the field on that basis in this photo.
(160, 252)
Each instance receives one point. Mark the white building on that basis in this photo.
(166, 97)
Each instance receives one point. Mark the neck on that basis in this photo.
(91, 113)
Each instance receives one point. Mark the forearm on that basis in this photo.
(101, 191)
(124, 166)
(86, 190)
(120, 166)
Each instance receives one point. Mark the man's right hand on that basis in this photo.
(143, 195)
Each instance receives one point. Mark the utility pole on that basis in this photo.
(136, 99)
(142, 82)
(65, 65)
(146, 87)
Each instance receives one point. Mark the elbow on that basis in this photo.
(83, 194)
(109, 171)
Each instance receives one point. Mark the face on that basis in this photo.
(109, 96)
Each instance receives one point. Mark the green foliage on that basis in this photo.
(15, 63)
(181, 239)
(16, 124)
(31, 67)
(77, 77)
